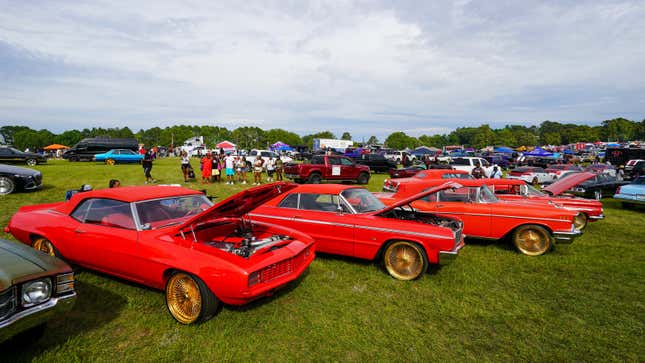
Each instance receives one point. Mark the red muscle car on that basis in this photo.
(390, 185)
(518, 190)
(172, 238)
(532, 226)
(350, 221)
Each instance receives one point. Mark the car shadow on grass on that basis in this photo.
(275, 295)
(94, 308)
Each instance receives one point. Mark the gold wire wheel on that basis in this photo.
(183, 298)
(580, 221)
(110, 161)
(43, 245)
(532, 240)
(404, 260)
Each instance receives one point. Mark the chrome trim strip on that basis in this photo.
(501, 216)
(51, 303)
(421, 234)
(602, 216)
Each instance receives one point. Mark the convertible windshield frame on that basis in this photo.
(197, 201)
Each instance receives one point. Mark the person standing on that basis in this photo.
(478, 172)
(185, 165)
(146, 163)
(207, 168)
(270, 169)
(216, 168)
(241, 170)
(496, 174)
(229, 163)
(257, 171)
(278, 168)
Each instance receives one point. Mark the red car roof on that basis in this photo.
(325, 188)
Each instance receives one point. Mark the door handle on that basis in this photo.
(79, 231)
(439, 205)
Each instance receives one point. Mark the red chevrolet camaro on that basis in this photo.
(172, 238)
(350, 221)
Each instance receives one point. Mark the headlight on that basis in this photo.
(36, 292)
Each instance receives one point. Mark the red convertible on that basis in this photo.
(532, 226)
(390, 185)
(172, 238)
(350, 221)
(519, 190)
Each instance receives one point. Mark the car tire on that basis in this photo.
(45, 246)
(32, 162)
(405, 260)
(189, 300)
(7, 185)
(363, 178)
(314, 178)
(597, 194)
(580, 221)
(532, 240)
(110, 161)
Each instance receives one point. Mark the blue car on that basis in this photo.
(633, 193)
(119, 156)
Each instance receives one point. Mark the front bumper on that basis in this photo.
(566, 237)
(447, 257)
(35, 315)
(598, 217)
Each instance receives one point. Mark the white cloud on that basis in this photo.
(309, 66)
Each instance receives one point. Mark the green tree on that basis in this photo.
(287, 137)
(372, 140)
(346, 136)
(399, 140)
(308, 140)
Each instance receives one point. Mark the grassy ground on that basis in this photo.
(582, 302)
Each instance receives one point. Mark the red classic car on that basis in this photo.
(533, 226)
(350, 221)
(390, 185)
(513, 189)
(172, 238)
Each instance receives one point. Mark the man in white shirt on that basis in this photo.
(229, 163)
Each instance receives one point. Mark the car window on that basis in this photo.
(109, 213)
(460, 161)
(484, 162)
(317, 160)
(81, 210)
(362, 200)
(344, 161)
(464, 195)
(290, 201)
(333, 160)
(318, 202)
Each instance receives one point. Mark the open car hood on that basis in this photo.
(568, 182)
(239, 204)
(414, 197)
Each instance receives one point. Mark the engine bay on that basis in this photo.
(410, 214)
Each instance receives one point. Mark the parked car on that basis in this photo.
(596, 187)
(560, 170)
(532, 174)
(10, 155)
(350, 221)
(119, 156)
(533, 227)
(397, 156)
(328, 167)
(468, 163)
(172, 239)
(514, 189)
(632, 194)
(498, 160)
(85, 149)
(376, 162)
(601, 168)
(265, 155)
(390, 185)
(34, 288)
(634, 169)
(14, 178)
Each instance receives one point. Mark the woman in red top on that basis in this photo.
(207, 168)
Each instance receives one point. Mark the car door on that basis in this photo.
(463, 203)
(5, 155)
(348, 169)
(317, 215)
(105, 237)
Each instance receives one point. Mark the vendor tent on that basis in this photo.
(424, 150)
(55, 147)
(538, 151)
(227, 146)
(503, 149)
(281, 146)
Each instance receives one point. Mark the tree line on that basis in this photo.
(247, 137)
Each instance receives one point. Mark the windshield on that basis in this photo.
(362, 200)
(486, 195)
(165, 212)
(640, 181)
(530, 190)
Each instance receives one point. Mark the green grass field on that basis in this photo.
(581, 302)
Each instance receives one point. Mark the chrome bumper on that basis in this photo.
(35, 315)
(566, 237)
(599, 217)
(446, 257)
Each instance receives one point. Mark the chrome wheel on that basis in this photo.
(32, 162)
(6, 185)
(110, 161)
(405, 260)
(580, 221)
(43, 245)
(532, 240)
(189, 300)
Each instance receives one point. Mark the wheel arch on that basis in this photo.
(379, 253)
(509, 234)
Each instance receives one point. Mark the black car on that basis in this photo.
(87, 148)
(376, 162)
(14, 178)
(10, 155)
(598, 186)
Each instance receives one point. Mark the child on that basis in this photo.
(270, 169)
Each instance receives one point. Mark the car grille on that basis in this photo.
(282, 268)
(38, 179)
(7, 303)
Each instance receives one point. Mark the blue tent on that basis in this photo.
(280, 146)
(538, 151)
(503, 149)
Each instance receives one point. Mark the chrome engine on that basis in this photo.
(246, 246)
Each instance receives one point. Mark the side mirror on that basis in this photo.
(146, 227)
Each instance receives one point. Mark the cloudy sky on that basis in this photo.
(367, 67)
